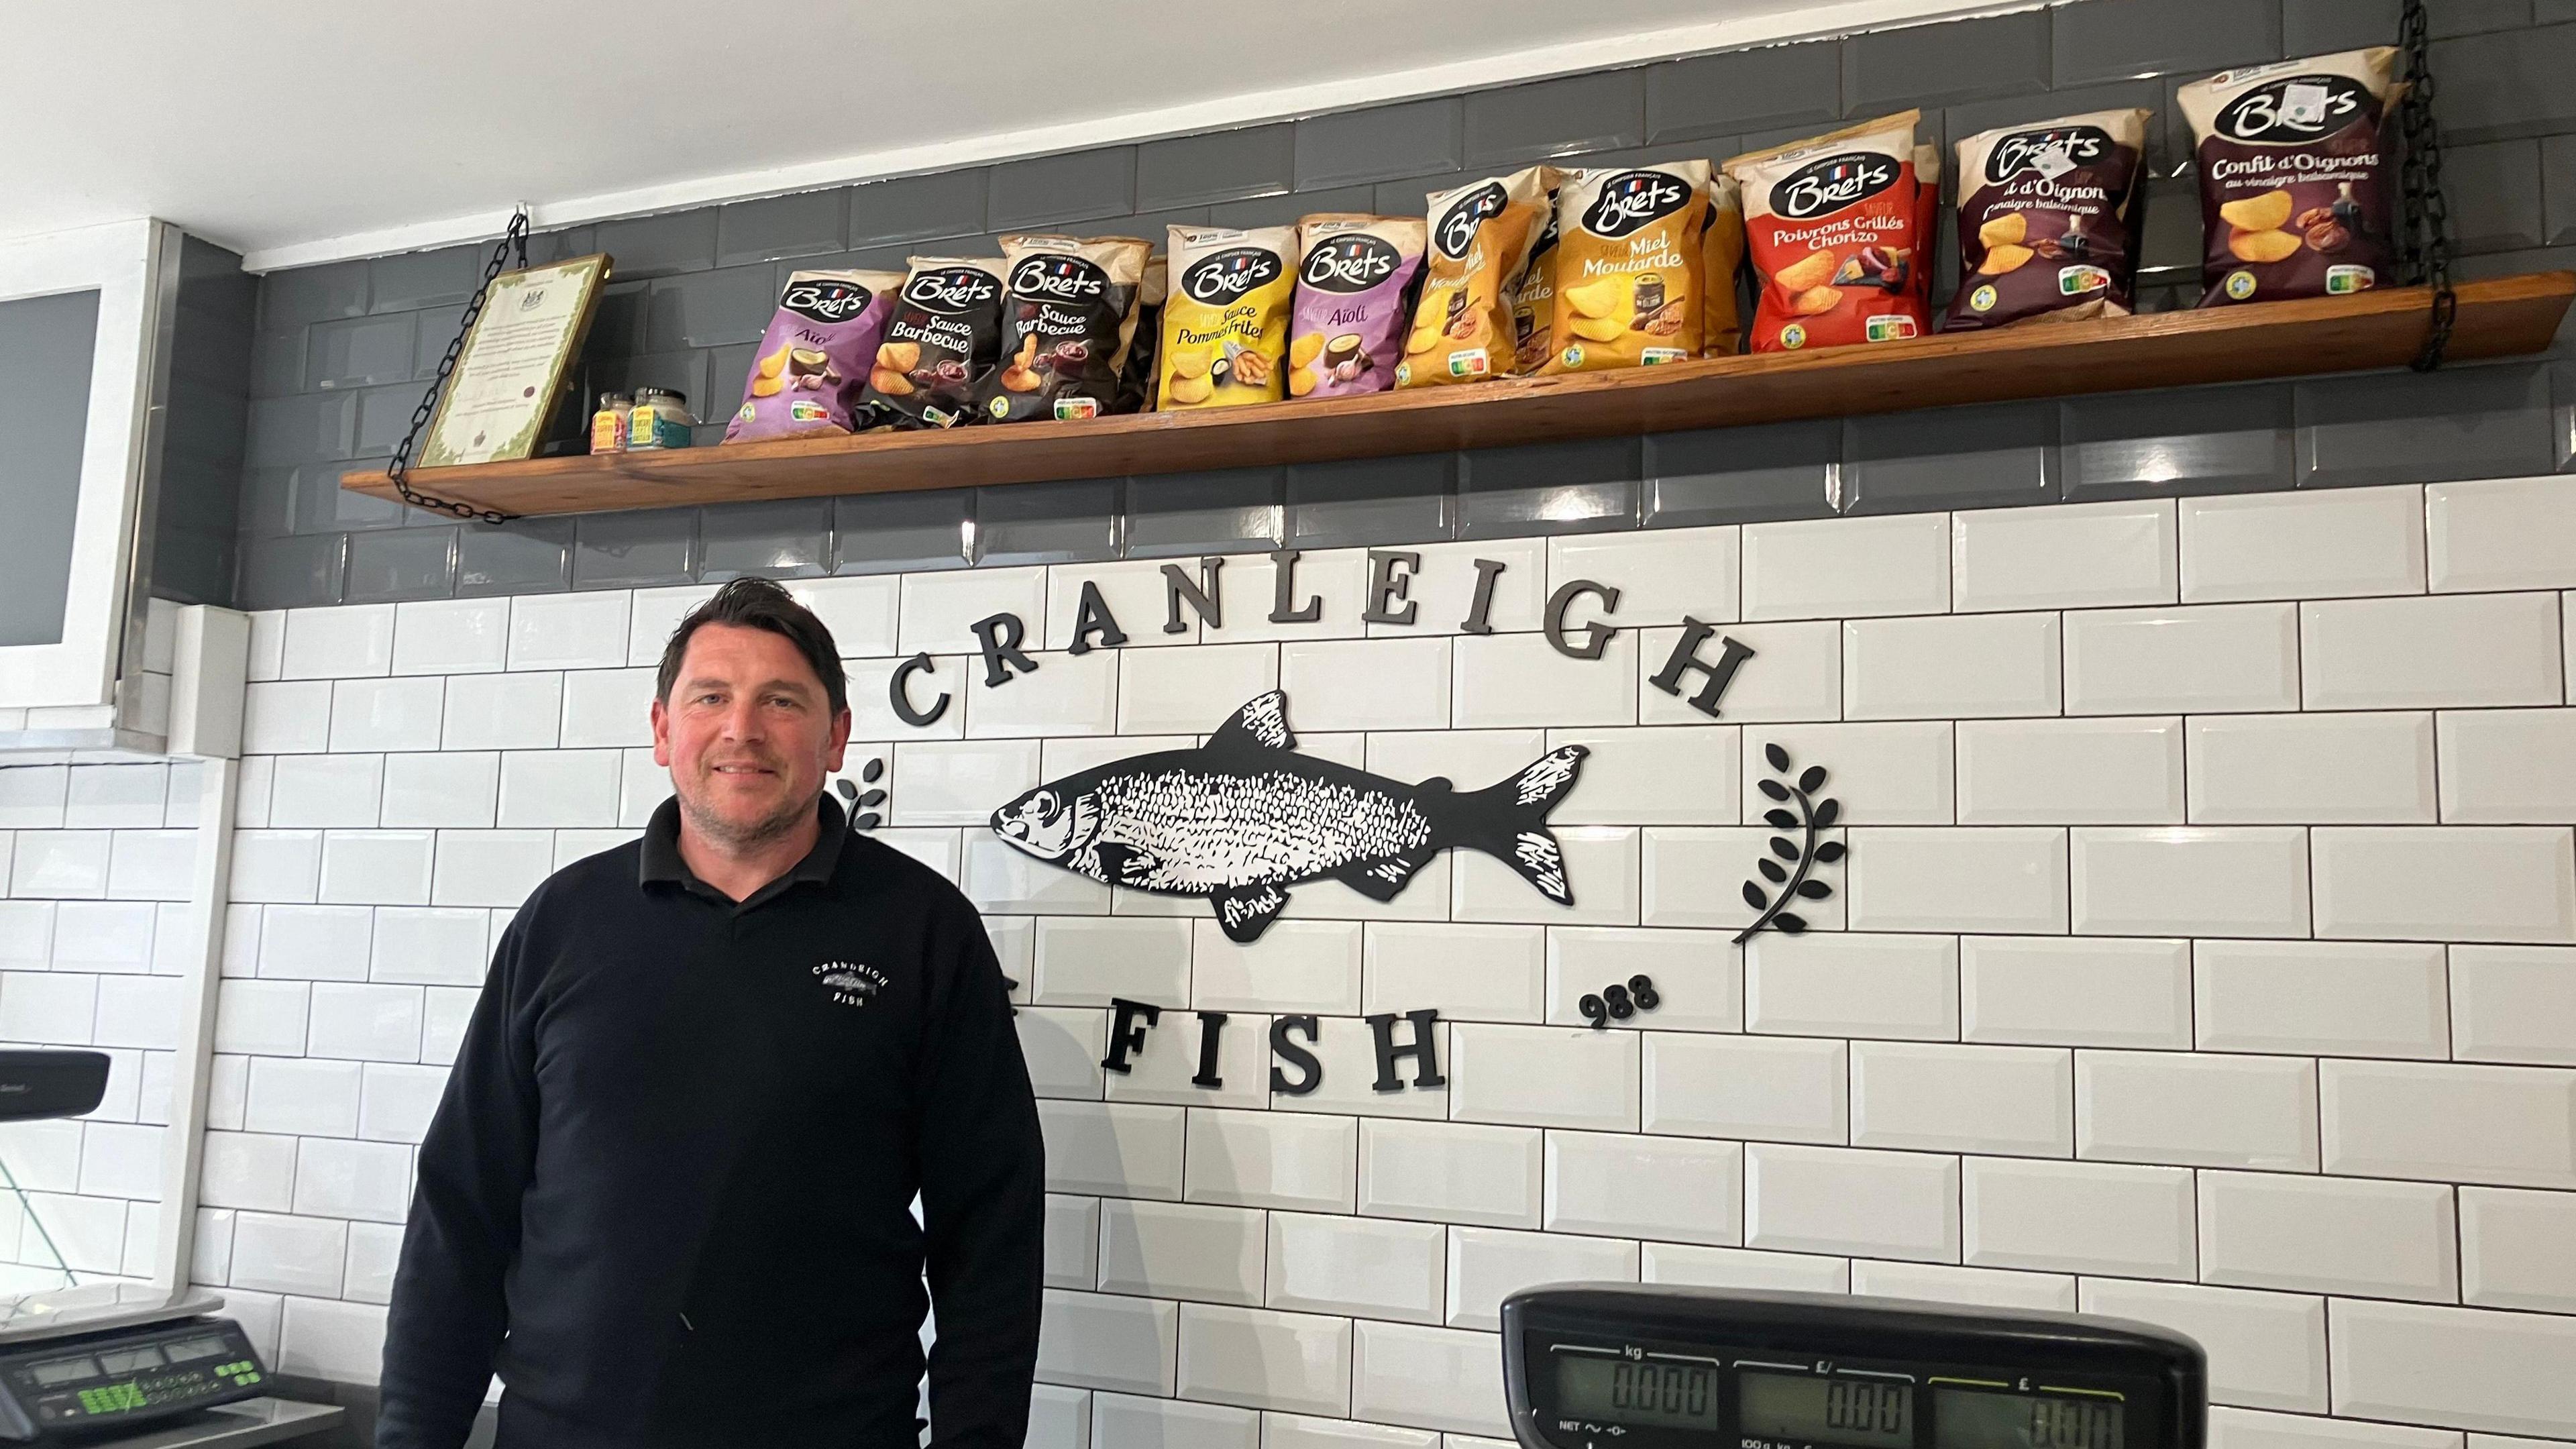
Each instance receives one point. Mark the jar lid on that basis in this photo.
(612, 399)
(674, 394)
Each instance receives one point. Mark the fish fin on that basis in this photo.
(1508, 821)
(1123, 864)
(1259, 725)
(1379, 880)
(1246, 911)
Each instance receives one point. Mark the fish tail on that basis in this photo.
(1508, 821)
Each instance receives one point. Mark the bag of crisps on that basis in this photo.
(1145, 334)
(2298, 164)
(1628, 266)
(1721, 250)
(1349, 313)
(1225, 321)
(1839, 230)
(1481, 235)
(2048, 220)
(814, 360)
(1534, 301)
(945, 336)
(1068, 304)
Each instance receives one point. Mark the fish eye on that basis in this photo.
(1043, 802)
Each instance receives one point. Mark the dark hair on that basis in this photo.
(760, 604)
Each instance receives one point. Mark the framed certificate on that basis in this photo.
(510, 375)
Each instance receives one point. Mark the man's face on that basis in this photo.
(748, 734)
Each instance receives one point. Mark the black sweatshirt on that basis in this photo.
(675, 1163)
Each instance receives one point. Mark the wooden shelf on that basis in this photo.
(2504, 317)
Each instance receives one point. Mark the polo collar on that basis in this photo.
(661, 862)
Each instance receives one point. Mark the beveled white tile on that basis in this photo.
(1444, 592)
(521, 711)
(451, 636)
(1181, 1250)
(1488, 1264)
(116, 797)
(287, 718)
(387, 714)
(2079, 1217)
(2215, 659)
(861, 613)
(604, 708)
(325, 790)
(2449, 650)
(1968, 878)
(338, 642)
(489, 867)
(1086, 961)
(1103, 1341)
(2114, 771)
(1545, 1076)
(2513, 1249)
(1679, 862)
(1302, 1161)
(454, 788)
(1072, 1243)
(963, 783)
(1167, 1067)
(2509, 1126)
(2073, 555)
(1786, 1089)
(1001, 878)
(1432, 1378)
(560, 789)
(2513, 1004)
(1936, 1097)
(1120, 1149)
(1901, 1205)
(2266, 1350)
(2318, 998)
(2321, 769)
(376, 867)
(1134, 599)
(1969, 1287)
(1067, 694)
(1662, 576)
(941, 608)
(1847, 567)
(1521, 681)
(2198, 1109)
(1449, 1172)
(1652, 776)
(1698, 975)
(1367, 684)
(1645, 1187)
(655, 616)
(1743, 1268)
(2329, 1235)
(871, 683)
(1296, 966)
(1795, 673)
(2328, 543)
(1852, 985)
(1262, 1359)
(2454, 1366)
(1474, 973)
(1063, 1046)
(1881, 774)
(1159, 1423)
(2446, 883)
(2501, 533)
(2245, 881)
(1334, 580)
(1192, 691)
(1962, 667)
(2508, 766)
(1600, 869)
(570, 631)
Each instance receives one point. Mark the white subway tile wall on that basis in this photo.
(2205, 952)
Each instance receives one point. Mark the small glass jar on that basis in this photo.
(660, 419)
(608, 424)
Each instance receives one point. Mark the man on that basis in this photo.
(668, 1192)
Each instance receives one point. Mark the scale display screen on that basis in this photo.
(1640, 1366)
(1679, 1394)
(1968, 1419)
(1808, 1409)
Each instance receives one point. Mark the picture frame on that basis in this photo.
(509, 376)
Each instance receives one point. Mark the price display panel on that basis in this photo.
(1975, 1419)
(1664, 1392)
(1796, 1411)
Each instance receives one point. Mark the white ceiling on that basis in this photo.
(297, 131)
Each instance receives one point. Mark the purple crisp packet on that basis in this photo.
(814, 359)
(1346, 324)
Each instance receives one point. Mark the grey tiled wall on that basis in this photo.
(341, 350)
(196, 530)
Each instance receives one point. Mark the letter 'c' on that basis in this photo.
(901, 699)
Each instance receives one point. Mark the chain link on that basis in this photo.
(513, 243)
(2428, 214)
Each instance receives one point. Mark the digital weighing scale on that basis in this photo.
(1595, 1366)
(74, 1361)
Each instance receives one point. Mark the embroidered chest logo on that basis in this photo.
(850, 983)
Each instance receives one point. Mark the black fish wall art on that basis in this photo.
(1243, 817)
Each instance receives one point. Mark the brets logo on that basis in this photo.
(2029, 150)
(1229, 274)
(2319, 107)
(826, 301)
(1832, 184)
(1458, 224)
(1352, 262)
(1633, 199)
(1059, 279)
(951, 289)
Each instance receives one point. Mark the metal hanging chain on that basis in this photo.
(2428, 215)
(513, 243)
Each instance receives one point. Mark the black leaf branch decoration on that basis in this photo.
(1791, 864)
(864, 808)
